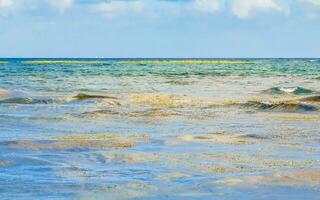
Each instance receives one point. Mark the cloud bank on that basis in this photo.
(242, 9)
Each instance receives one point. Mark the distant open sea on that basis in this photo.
(160, 129)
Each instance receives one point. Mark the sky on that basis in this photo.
(160, 28)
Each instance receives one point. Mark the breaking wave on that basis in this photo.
(288, 90)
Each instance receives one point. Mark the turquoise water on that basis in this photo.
(150, 129)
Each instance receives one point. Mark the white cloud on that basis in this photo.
(61, 5)
(245, 8)
(155, 8)
(6, 3)
(7, 7)
(207, 6)
(152, 8)
(11, 7)
(313, 2)
(114, 9)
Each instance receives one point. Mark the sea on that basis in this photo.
(159, 128)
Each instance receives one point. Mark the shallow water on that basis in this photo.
(169, 129)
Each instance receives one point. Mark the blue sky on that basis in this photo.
(160, 28)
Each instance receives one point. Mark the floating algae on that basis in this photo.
(225, 62)
(83, 96)
(5, 164)
(298, 178)
(101, 136)
(215, 169)
(4, 93)
(312, 99)
(294, 118)
(154, 113)
(3, 62)
(181, 82)
(171, 101)
(164, 100)
(219, 138)
(156, 100)
(101, 114)
(75, 144)
(59, 160)
(262, 163)
(173, 175)
(47, 62)
(148, 114)
(128, 191)
(30, 100)
(94, 141)
(132, 157)
(141, 185)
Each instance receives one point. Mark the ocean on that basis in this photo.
(160, 129)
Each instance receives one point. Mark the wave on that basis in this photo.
(152, 113)
(306, 104)
(312, 99)
(280, 106)
(288, 90)
(28, 100)
(254, 136)
(31, 100)
(83, 96)
(162, 105)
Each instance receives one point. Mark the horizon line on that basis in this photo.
(159, 57)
